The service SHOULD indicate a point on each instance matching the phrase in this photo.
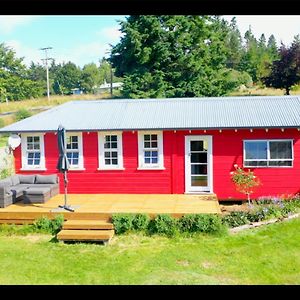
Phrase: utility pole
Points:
(47, 70)
(111, 80)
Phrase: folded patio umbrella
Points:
(63, 163)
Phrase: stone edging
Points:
(257, 224)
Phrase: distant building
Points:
(76, 91)
(106, 86)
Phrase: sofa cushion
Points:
(15, 179)
(42, 179)
(6, 181)
(27, 178)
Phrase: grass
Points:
(265, 255)
(257, 91)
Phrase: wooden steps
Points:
(87, 224)
(86, 231)
(80, 235)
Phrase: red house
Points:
(167, 146)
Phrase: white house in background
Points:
(106, 86)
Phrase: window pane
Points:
(154, 137)
(29, 139)
(36, 162)
(154, 153)
(153, 144)
(74, 139)
(146, 144)
(199, 169)
(147, 137)
(36, 146)
(30, 161)
(107, 138)
(147, 153)
(114, 145)
(256, 150)
(75, 161)
(147, 160)
(199, 180)
(114, 138)
(196, 145)
(30, 155)
(280, 163)
(29, 146)
(114, 161)
(199, 157)
(36, 139)
(114, 154)
(106, 154)
(75, 154)
(107, 145)
(281, 150)
(107, 161)
(154, 160)
(74, 145)
(37, 155)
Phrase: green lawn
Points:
(265, 255)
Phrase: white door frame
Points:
(188, 186)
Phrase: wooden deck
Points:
(102, 206)
(91, 219)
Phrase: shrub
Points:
(236, 218)
(140, 221)
(57, 223)
(50, 226)
(245, 182)
(22, 114)
(122, 222)
(205, 223)
(163, 224)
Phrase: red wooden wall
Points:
(227, 150)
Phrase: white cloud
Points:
(83, 54)
(111, 33)
(9, 23)
(28, 53)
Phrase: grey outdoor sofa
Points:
(30, 188)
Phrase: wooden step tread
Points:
(85, 235)
(87, 224)
(16, 221)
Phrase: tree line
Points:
(191, 56)
(165, 56)
(18, 82)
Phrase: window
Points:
(33, 152)
(151, 150)
(268, 153)
(110, 150)
(74, 150)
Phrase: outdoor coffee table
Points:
(36, 195)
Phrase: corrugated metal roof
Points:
(176, 113)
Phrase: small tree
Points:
(245, 181)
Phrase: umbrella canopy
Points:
(63, 163)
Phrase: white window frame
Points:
(24, 150)
(101, 150)
(268, 159)
(141, 150)
(80, 165)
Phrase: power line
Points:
(45, 60)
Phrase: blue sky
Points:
(85, 39)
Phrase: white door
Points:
(198, 163)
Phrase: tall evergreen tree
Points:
(234, 45)
(171, 56)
